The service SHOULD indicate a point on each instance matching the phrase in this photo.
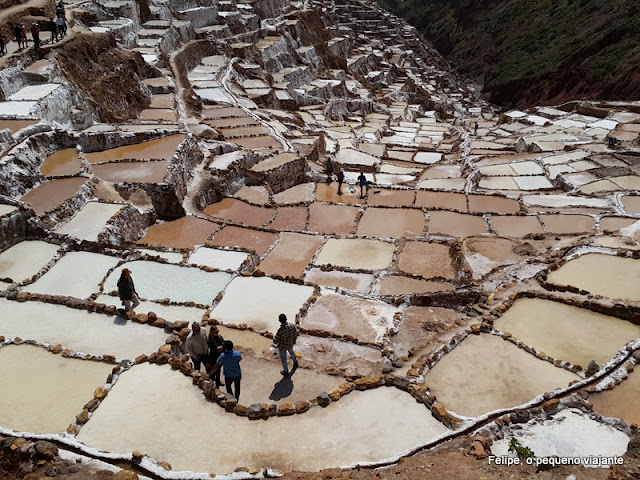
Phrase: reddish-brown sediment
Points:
(456, 224)
(291, 255)
(391, 198)
(239, 211)
(159, 114)
(160, 149)
(331, 219)
(329, 193)
(429, 260)
(48, 195)
(132, 172)
(15, 125)
(232, 122)
(621, 402)
(492, 204)
(265, 141)
(511, 226)
(401, 285)
(568, 224)
(391, 222)
(290, 218)
(186, 232)
(224, 112)
(613, 224)
(454, 201)
(63, 162)
(246, 238)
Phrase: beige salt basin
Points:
(291, 255)
(249, 239)
(607, 275)
(56, 390)
(486, 373)
(621, 402)
(356, 253)
(456, 224)
(48, 195)
(63, 162)
(186, 232)
(331, 219)
(302, 193)
(25, 259)
(400, 285)
(429, 260)
(320, 438)
(161, 148)
(132, 172)
(391, 222)
(89, 222)
(240, 212)
(171, 313)
(631, 204)
(79, 330)
(358, 282)
(258, 302)
(290, 218)
(566, 332)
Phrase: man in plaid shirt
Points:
(285, 339)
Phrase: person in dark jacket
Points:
(127, 291)
(364, 185)
(216, 343)
(340, 180)
(229, 361)
(53, 28)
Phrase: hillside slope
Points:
(529, 52)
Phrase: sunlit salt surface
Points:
(25, 259)
(258, 302)
(170, 313)
(155, 281)
(77, 274)
(557, 436)
(90, 221)
(516, 376)
(6, 209)
(79, 330)
(356, 253)
(362, 426)
(566, 332)
(173, 257)
(56, 390)
(606, 275)
(218, 258)
(33, 92)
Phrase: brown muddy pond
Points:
(631, 203)
(621, 402)
(15, 125)
(391, 222)
(568, 224)
(400, 285)
(391, 198)
(161, 148)
(257, 142)
(454, 201)
(291, 255)
(239, 211)
(63, 162)
(246, 238)
(159, 114)
(492, 204)
(48, 195)
(132, 172)
(224, 112)
(429, 260)
(331, 219)
(456, 224)
(186, 232)
(231, 122)
(613, 224)
(290, 218)
(512, 226)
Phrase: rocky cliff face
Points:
(528, 53)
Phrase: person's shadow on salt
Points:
(282, 389)
(120, 319)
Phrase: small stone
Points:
(302, 406)
(166, 349)
(100, 393)
(285, 409)
(368, 382)
(73, 429)
(165, 465)
(56, 349)
(142, 358)
(323, 399)
(83, 417)
(109, 358)
(125, 475)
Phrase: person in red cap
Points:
(127, 291)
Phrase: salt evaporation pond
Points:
(557, 436)
(486, 373)
(77, 274)
(48, 195)
(56, 390)
(63, 162)
(356, 253)
(25, 259)
(394, 422)
(257, 302)
(156, 281)
(160, 149)
(170, 313)
(90, 221)
(78, 330)
(566, 332)
(621, 402)
(6, 209)
(217, 258)
(607, 275)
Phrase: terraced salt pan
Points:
(63, 162)
(48, 195)
(156, 281)
(6, 209)
(621, 402)
(347, 156)
(240, 212)
(172, 257)
(249, 239)
(25, 259)
(218, 258)
(557, 437)
(400, 285)
(515, 226)
(566, 332)
(356, 253)
(291, 255)
(516, 376)
(391, 222)
(607, 275)
(122, 423)
(302, 193)
(454, 184)
(366, 320)
(331, 219)
(258, 302)
(34, 93)
(68, 383)
(90, 221)
(186, 232)
(358, 282)
(171, 313)
(78, 330)
(16, 109)
(429, 260)
(161, 148)
(132, 172)
(77, 274)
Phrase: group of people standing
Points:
(363, 183)
(57, 27)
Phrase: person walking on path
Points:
(285, 339)
(35, 33)
(23, 35)
(3, 49)
(127, 291)
(53, 28)
(61, 23)
(215, 343)
(475, 129)
(329, 170)
(340, 180)
(364, 185)
(229, 361)
(197, 346)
